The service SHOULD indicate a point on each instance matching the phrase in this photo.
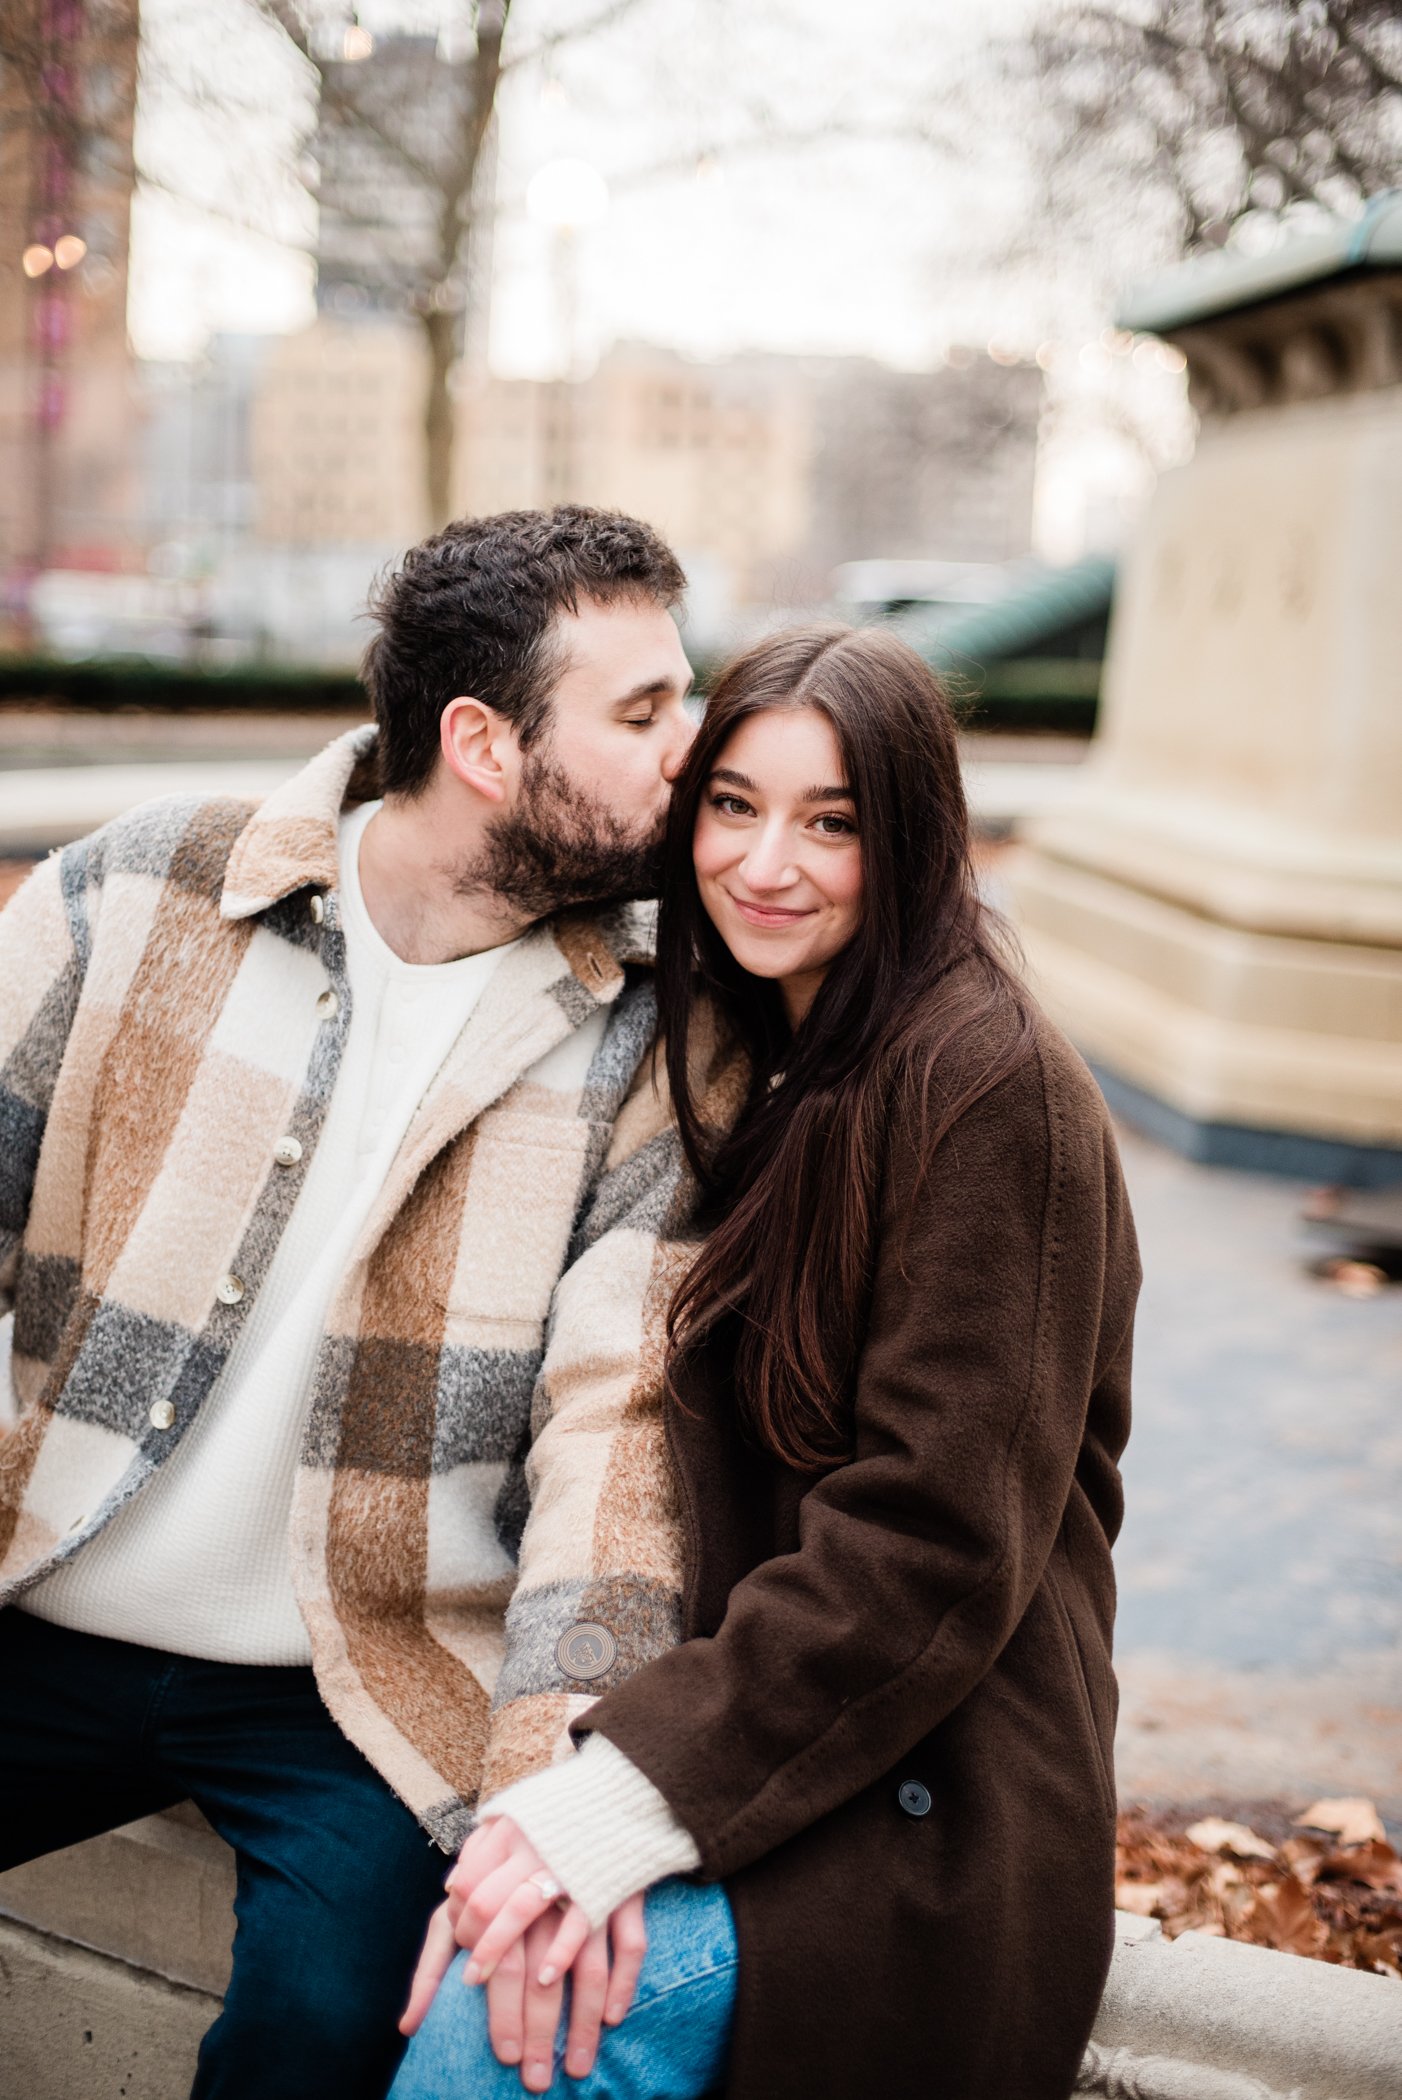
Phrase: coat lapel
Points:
(553, 980)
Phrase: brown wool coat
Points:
(931, 1620)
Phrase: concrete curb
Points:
(1199, 2018)
(80, 2026)
(113, 1956)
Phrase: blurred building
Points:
(719, 457)
(380, 118)
(302, 456)
(923, 465)
(197, 482)
(336, 435)
(769, 472)
(68, 456)
(390, 127)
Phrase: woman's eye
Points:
(640, 721)
(833, 826)
(730, 805)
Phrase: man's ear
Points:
(478, 745)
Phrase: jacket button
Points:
(327, 1003)
(586, 1650)
(316, 905)
(161, 1414)
(229, 1290)
(287, 1152)
(914, 1798)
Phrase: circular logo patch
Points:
(586, 1651)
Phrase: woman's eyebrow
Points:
(813, 794)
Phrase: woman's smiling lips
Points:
(767, 914)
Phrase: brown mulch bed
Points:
(1331, 1889)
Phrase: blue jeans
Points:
(336, 1880)
(671, 2045)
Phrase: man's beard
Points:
(561, 846)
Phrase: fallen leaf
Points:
(1351, 1818)
(1304, 1857)
(1376, 1865)
(1318, 1897)
(1216, 1835)
(1284, 1917)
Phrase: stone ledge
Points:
(113, 1956)
(157, 1894)
(1199, 2018)
(80, 2026)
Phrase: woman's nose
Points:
(767, 865)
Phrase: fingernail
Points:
(472, 1974)
(578, 2063)
(547, 1976)
(539, 2074)
(509, 2052)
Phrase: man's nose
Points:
(682, 736)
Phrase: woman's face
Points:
(777, 859)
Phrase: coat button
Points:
(914, 1798)
(316, 905)
(287, 1152)
(161, 1414)
(586, 1650)
(229, 1290)
(327, 1003)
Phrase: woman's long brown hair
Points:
(791, 1193)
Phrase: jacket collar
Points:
(290, 840)
(290, 843)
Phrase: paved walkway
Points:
(1260, 1630)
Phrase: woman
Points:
(898, 1381)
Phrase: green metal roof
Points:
(1226, 281)
(1016, 624)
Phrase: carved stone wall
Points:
(1344, 338)
(1218, 920)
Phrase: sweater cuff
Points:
(601, 1827)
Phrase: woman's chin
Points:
(759, 960)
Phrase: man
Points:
(305, 1110)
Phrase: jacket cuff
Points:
(601, 1827)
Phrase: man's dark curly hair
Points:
(470, 611)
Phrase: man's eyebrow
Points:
(651, 689)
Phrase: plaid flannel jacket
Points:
(493, 1350)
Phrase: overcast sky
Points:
(876, 244)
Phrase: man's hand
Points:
(502, 1905)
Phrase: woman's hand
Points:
(501, 1905)
(523, 2015)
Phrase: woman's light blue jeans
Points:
(671, 2046)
